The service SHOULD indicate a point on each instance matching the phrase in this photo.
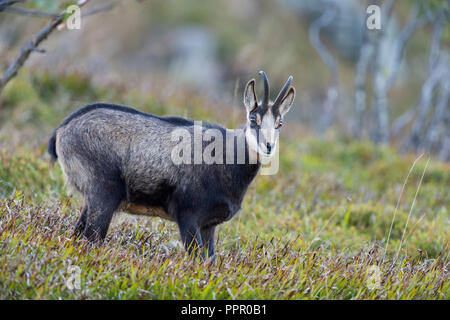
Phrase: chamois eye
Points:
(252, 119)
(280, 124)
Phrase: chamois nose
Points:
(269, 147)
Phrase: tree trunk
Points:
(437, 69)
(362, 66)
(437, 127)
(383, 80)
(329, 105)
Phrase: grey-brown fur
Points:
(120, 158)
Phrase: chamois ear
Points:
(287, 101)
(250, 100)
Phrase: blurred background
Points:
(388, 86)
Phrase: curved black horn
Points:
(265, 101)
(283, 92)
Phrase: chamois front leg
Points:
(81, 223)
(190, 236)
(207, 234)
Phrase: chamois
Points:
(119, 158)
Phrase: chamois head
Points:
(265, 118)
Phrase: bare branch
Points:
(32, 46)
(41, 14)
(414, 23)
(28, 49)
(32, 13)
(6, 3)
(314, 36)
(437, 125)
(104, 8)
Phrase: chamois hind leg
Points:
(102, 201)
(81, 223)
(207, 234)
(190, 236)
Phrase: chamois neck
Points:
(252, 155)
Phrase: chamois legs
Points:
(190, 236)
(101, 204)
(197, 239)
(81, 223)
(207, 234)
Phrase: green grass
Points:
(316, 230)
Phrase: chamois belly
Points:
(143, 210)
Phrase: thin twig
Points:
(6, 3)
(414, 23)
(104, 8)
(32, 13)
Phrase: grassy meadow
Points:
(322, 228)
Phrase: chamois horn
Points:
(282, 92)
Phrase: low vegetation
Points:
(322, 228)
